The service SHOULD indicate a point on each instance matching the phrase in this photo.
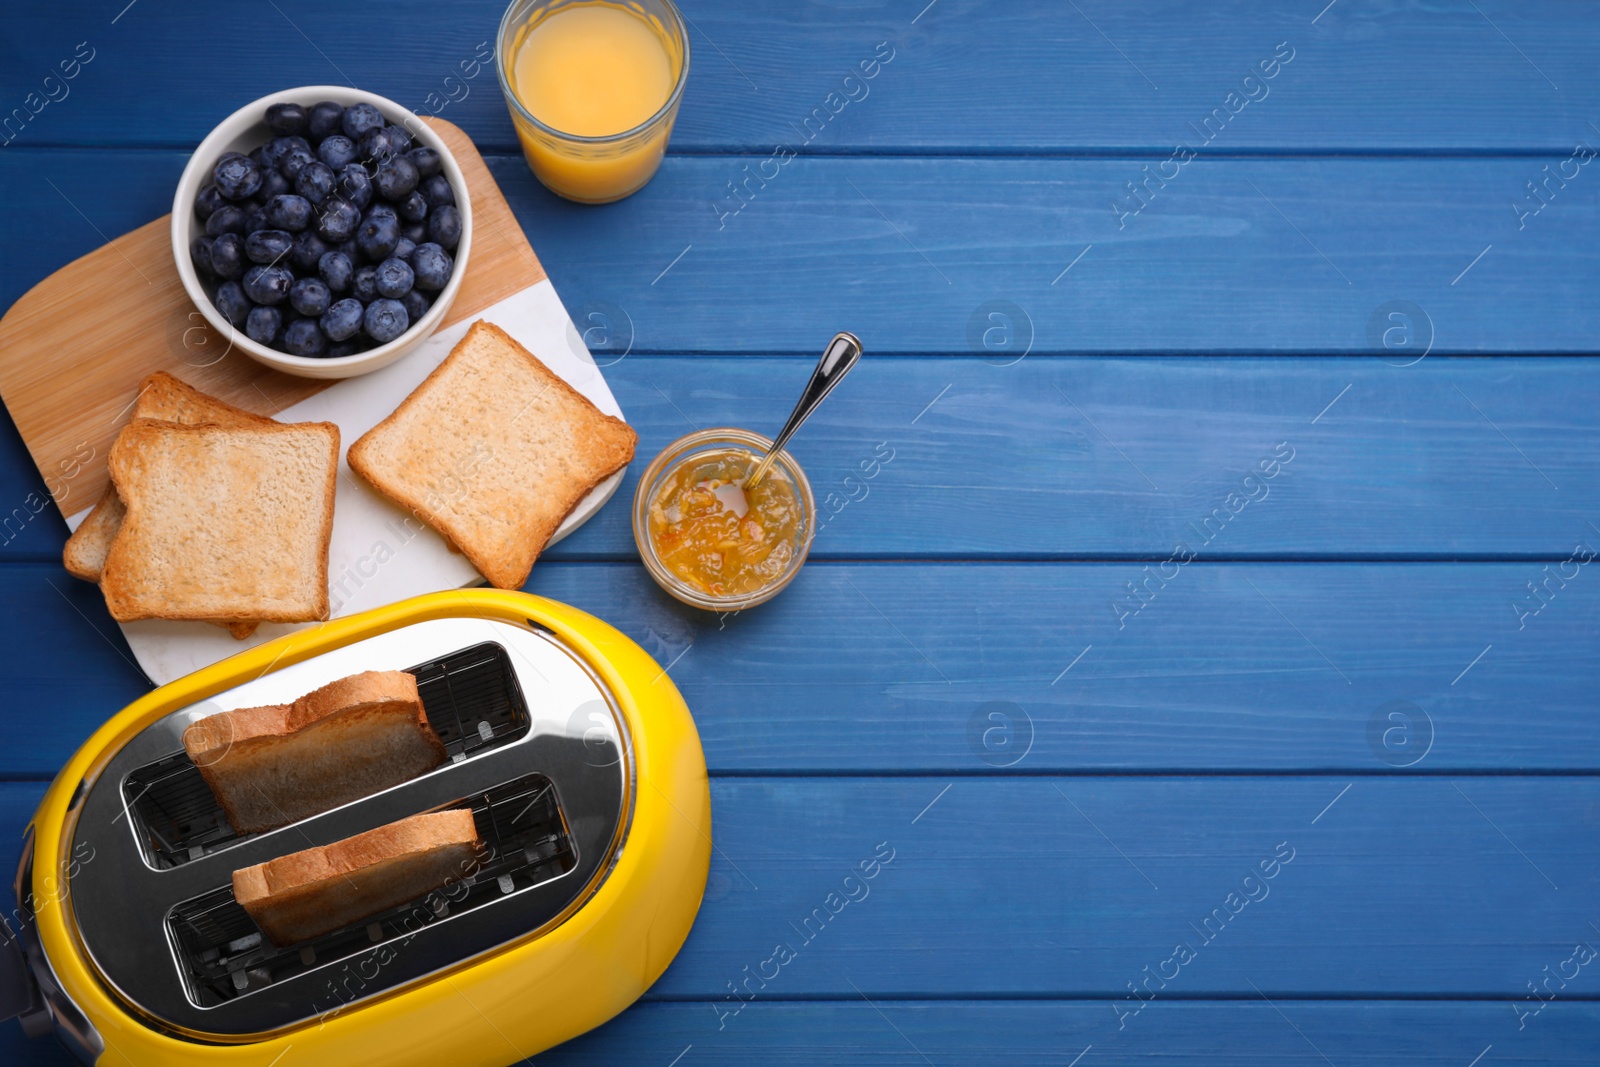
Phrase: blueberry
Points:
(340, 349)
(227, 256)
(314, 182)
(385, 320)
(310, 296)
(334, 269)
(358, 119)
(273, 183)
(379, 209)
(289, 212)
(338, 220)
(268, 246)
(432, 266)
(364, 284)
(267, 285)
(263, 324)
(416, 304)
(436, 191)
(337, 152)
(394, 278)
(377, 237)
(255, 219)
(303, 338)
(284, 119)
(295, 160)
(209, 200)
(237, 177)
(232, 302)
(307, 252)
(323, 119)
(200, 254)
(343, 318)
(404, 249)
(413, 208)
(415, 232)
(427, 160)
(230, 155)
(444, 227)
(396, 178)
(378, 144)
(273, 151)
(355, 185)
(352, 253)
(400, 140)
(226, 219)
(258, 155)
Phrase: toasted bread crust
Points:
(264, 764)
(305, 894)
(503, 520)
(157, 571)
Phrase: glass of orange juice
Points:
(593, 87)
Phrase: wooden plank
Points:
(74, 349)
(1180, 1033)
(1019, 888)
(967, 669)
(1023, 887)
(1270, 256)
(1493, 75)
(1112, 458)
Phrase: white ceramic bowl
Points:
(243, 131)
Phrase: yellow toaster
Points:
(584, 773)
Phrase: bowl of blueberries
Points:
(323, 230)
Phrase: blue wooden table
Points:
(1204, 619)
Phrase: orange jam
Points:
(701, 536)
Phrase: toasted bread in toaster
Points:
(493, 450)
(222, 523)
(161, 396)
(307, 894)
(271, 766)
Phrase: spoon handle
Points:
(842, 353)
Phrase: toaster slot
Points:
(472, 701)
(223, 955)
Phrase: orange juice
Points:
(596, 80)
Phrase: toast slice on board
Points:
(161, 396)
(307, 894)
(274, 765)
(222, 523)
(493, 450)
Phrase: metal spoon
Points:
(842, 353)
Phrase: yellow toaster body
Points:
(586, 779)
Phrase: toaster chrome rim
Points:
(153, 915)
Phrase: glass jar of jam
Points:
(708, 540)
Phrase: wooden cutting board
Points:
(74, 349)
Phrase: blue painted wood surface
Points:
(1381, 656)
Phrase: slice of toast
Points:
(161, 396)
(274, 765)
(307, 894)
(493, 450)
(85, 551)
(223, 523)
